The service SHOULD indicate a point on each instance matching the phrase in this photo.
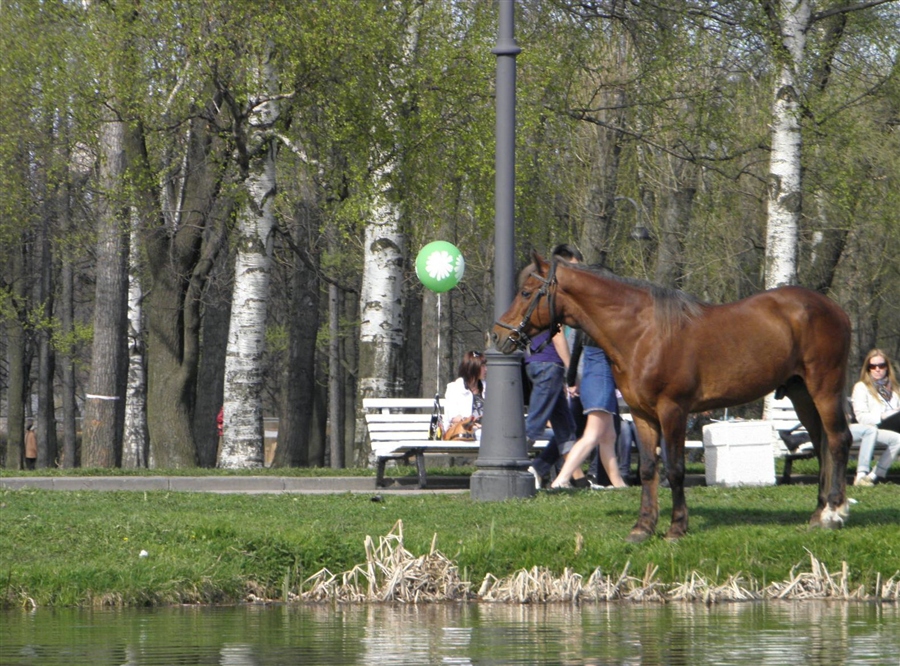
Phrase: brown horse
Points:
(672, 355)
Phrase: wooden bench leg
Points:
(379, 475)
(420, 467)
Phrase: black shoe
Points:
(583, 482)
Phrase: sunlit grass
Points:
(84, 547)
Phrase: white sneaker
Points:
(865, 481)
(537, 477)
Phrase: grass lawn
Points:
(68, 548)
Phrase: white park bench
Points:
(792, 434)
(398, 430)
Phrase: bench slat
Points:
(398, 403)
(398, 418)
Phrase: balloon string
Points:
(437, 379)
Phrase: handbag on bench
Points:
(435, 427)
(462, 430)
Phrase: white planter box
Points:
(739, 453)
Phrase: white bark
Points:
(242, 443)
(381, 302)
(381, 331)
(785, 180)
(785, 194)
(135, 445)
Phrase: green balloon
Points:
(440, 266)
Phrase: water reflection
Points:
(483, 634)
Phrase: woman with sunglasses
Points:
(875, 398)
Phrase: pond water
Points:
(757, 633)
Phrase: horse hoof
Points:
(828, 519)
(844, 511)
(673, 535)
(638, 535)
(832, 519)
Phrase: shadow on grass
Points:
(860, 516)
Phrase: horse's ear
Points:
(537, 260)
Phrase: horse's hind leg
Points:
(648, 440)
(824, 418)
(809, 417)
(833, 460)
(674, 424)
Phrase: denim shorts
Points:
(598, 388)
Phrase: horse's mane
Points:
(673, 308)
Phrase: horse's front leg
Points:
(648, 440)
(674, 430)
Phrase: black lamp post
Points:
(503, 456)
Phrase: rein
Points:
(518, 336)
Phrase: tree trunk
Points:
(381, 330)
(16, 363)
(135, 445)
(600, 205)
(103, 400)
(242, 445)
(66, 313)
(211, 371)
(181, 250)
(675, 224)
(299, 375)
(353, 453)
(48, 454)
(335, 377)
(784, 186)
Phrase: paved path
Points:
(236, 484)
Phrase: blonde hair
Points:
(866, 377)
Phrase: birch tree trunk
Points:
(784, 182)
(381, 332)
(242, 445)
(135, 445)
(381, 295)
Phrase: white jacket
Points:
(869, 407)
(458, 400)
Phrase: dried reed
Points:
(392, 573)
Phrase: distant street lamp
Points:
(503, 455)
(639, 232)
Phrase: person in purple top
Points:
(545, 365)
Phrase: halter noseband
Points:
(517, 335)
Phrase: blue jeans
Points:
(548, 402)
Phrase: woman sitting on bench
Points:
(464, 397)
(876, 402)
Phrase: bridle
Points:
(517, 335)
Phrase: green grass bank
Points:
(85, 548)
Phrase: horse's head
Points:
(530, 312)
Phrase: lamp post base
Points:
(501, 484)
(503, 455)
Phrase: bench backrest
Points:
(397, 404)
(782, 414)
